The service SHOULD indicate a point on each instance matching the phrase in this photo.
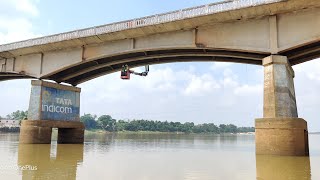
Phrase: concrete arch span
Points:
(88, 70)
(77, 72)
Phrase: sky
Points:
(195, 92)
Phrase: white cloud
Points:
(15, 29)
(200, 85)
(23, 6)
(26, 6)
(12, 24)
(17, 26)
(249, 90)
(312, 71)
(230, 80)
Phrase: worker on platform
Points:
(125, 72)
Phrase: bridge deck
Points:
(100, 34)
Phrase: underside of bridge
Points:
(96, 68)
(87, 70)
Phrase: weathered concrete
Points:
(30, 134)
(279, 93)
(39, 132)
(282, 136)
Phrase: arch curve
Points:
(88, 70)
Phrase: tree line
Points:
(107, 123)
(17, 115)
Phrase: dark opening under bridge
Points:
(274, 33)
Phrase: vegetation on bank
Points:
(17, 115)
(107, 123)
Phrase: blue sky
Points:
(198, 92)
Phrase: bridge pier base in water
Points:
(282, 136)
(31, 134)
(39, 132)
(280, 132)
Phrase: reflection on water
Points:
(283, 168)
(156, 157)
(43, 166)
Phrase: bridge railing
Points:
(140, 22)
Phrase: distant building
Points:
(9, 123)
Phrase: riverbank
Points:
(155, 132)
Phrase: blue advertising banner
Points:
(60, 104)
(52, 101)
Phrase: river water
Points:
(155, 157)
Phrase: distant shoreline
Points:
(158, 132)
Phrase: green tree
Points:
(18, 115)
(245, 129)
(222, 128)
(121, 125)
(106, 122)
(89, 121)
(232, 128)
(187, 127)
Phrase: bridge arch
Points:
(100, 66)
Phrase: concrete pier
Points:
(39, 132)
(30, 134)
(53, 106)
(280, 131)
(282, 136)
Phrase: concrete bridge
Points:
(274, 33)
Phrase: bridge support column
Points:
(30, 134)
(53, 106)
(280, 131)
